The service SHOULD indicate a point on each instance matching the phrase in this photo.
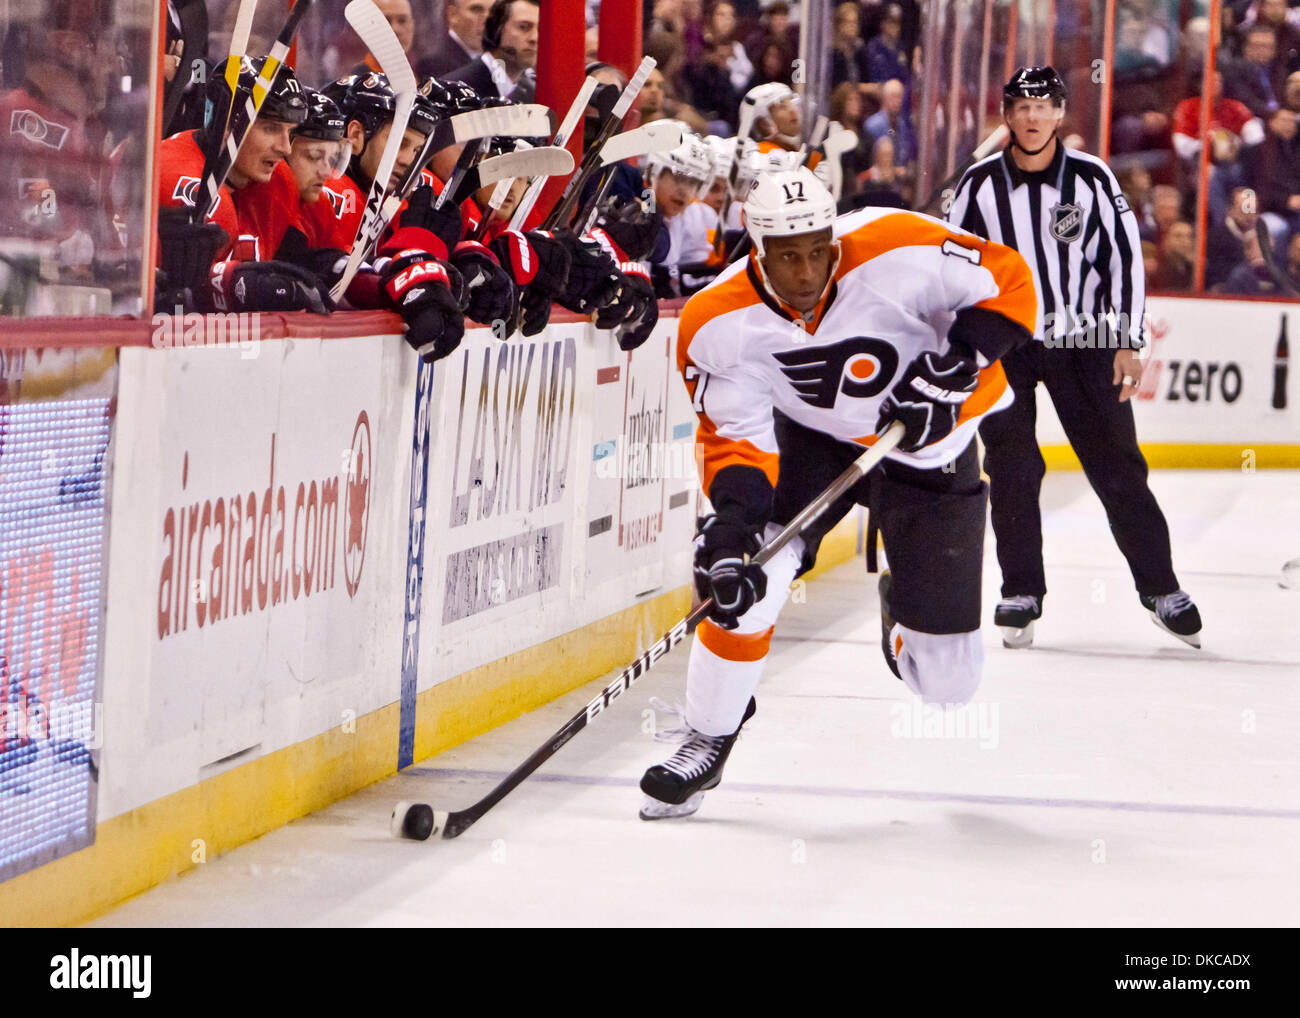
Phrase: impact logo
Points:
(356, 508)
(30, 125)
(860, 367)
(186, 190)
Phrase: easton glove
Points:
(630, 226)
(426, 293)
(928, 398)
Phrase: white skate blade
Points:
(1017, 639)
(653, 809)
(1192, 641)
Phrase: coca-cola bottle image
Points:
(1279, 369)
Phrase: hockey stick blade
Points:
(529, 120)
(660, 136)
(451, 824)
(535, 162)
(368, 21)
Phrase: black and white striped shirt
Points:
(1073, 226)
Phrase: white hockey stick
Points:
(369, 22)
(659, 136)
(838, 142)
(238, 50)
(567, 126)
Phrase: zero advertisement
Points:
(1215, 372)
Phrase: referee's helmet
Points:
(1035, 83)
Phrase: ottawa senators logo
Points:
(860, 367)
(186, 190)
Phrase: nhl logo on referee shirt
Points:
(1067, 223)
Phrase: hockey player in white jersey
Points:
(680, 178)
(797, 357)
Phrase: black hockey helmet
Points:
(283, 102)
(451, 97)
(1035, 83)
(324, 119)
(369, 99)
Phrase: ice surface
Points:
(1126, 779)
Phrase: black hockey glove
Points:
(634, 312)
(594, 279)
(426, 293)
(928, 398)
(490, 292)
(723, 570)
(445, 223)
(267, 286)
(630, 226)
(540, 266)
(185, 253)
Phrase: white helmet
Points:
(786, 203)
(723, 151)
(763, 97)
(691, 159)
(754, 164)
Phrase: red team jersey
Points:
(255, 217)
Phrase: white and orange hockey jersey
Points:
(900, 282)
(693, 237)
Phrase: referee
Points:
(1064, 212)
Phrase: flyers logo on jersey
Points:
(860, 367)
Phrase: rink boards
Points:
(295, 601)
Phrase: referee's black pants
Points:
(1100, 430)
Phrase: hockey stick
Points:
(563, 210)
(420, 821)
(238, 47)
(660, 136)
(234, 139)
(473, 125)
(996, 139)
(1279, 277)
(369, 22)
(548, 161)
(561, 138)
(837, 143)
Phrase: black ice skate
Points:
(1015, 617)
(887, 623)
(1176, 614)
(676, 787)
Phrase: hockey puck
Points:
(412, 820)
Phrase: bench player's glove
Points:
(540, 266)
(928, 398)
(427, 294)
(594, 279)
(267, 286)
(491, 294)
(723, 570)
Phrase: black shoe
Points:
(1176, 614)
(885, 585)
(693, 769)
(1015, 616)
